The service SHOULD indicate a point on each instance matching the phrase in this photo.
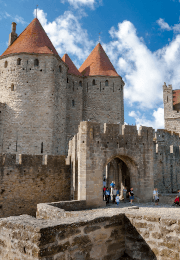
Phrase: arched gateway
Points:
(129, 151)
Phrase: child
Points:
(117, 199)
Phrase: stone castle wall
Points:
(166, 161)
(103, 104)
(92, 149)
(74, 105)
(29, 180)
(34, 99)
(146, 236)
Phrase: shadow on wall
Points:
(136, 247)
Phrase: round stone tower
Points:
(33, 94)
(103, 89)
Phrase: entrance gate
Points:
(92, 149)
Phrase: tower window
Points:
(12, 87)
(60, 69)
(80, 83)
(19, 61)
(87, 87)
(100, 86)
(67, 80)
(5, 64)
(93, 82)
(36, 62)
(73, 103)
(106, 83)
(113, 87)
(42, 147)
(167, 98)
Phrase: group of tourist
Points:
(114, 194)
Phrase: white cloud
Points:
(19, 19)
(67, 34)
(163, 24)
(157, 122)
(78, 3)
(142, 71)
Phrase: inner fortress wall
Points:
(103, 104)
(74, 105)
(166, 161)
(34, 98)
(27, 180)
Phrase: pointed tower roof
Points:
(32, 40)
(98, 64)
(72, 67)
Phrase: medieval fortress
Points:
(61, 132)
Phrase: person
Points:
(112, 184)
(154, 194)
(156, 198)
(104, 190)
(179, 194)
(176, 201)
(124, 194)
(114, 194)
(117, 199)
(131, 196)
(107, 195)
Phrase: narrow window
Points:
(93, 82)
(16, 146)
(36, 62)
(5, 64)
(12, 87)
(106, 83)
(42, 147)
(113, 87)
(80, 83)
(67, 80)
(167, 98)
(73, 103)
(73, 85)
(27, 61)
(19, 61)
(100, 86)
(87, 87)
(60, 69)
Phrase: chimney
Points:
(13, 35)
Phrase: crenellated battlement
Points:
(27, 160)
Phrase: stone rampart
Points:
(100, 237)
(31, 179)
(166, 161)
(27, 238)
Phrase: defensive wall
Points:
(26, 180)
(95, 236)
(152, 159)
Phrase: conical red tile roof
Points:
(72, 67)
(98, 64)
(32, 40)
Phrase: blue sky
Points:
(141, 38)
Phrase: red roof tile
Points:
(72, 67)
(98, 64)
(176, 97)
(32, 40)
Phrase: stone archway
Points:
(94, 149)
